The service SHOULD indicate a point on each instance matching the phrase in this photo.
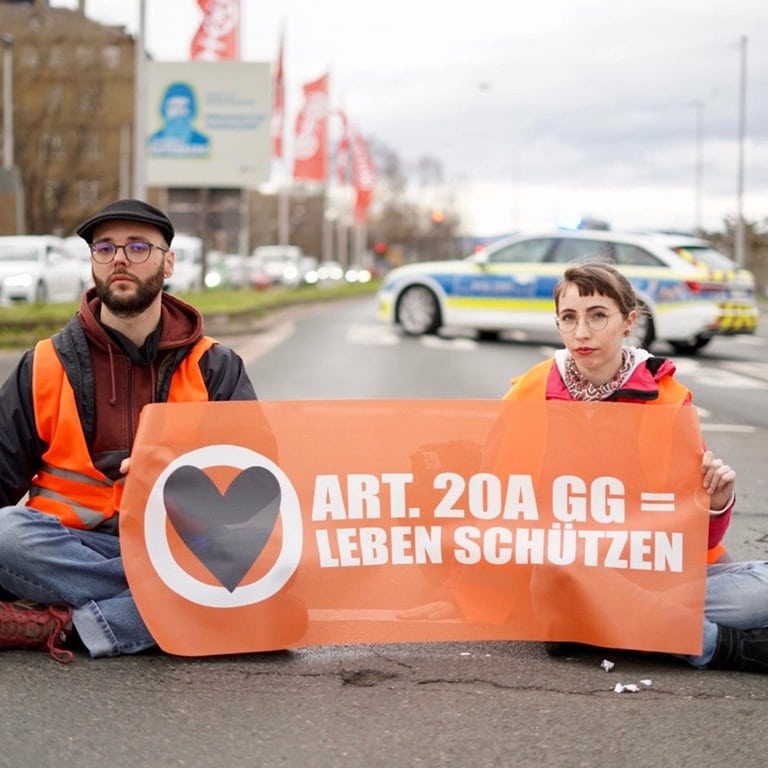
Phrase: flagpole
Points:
(244, 235)
(139, 91)
(741, 239)
(282, 177)
(329, 214)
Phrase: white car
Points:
(226, 270)
(326, 273)
(282, 264)
(188, 267)
(80, 250)
(509, 284)
(38, 268)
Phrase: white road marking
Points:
(252, 347)
(725, 375)
(755, 370)
(745, 428)
(437, 342)
(374, 335)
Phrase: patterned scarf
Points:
(581, 389)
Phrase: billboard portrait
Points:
(208, 124)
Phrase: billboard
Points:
(208, 124)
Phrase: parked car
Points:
(226, 270)
(508, 285)
(326, 273)
(258, 279)
(357, 273)
(282, 264)
(38, 268)
(188, 268)
(739, 312)
(80, 250)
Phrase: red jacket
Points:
(652, 381)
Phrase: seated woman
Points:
(596, 308)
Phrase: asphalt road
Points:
(452, 704)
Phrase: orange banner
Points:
(251, 526)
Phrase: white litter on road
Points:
(628, 688)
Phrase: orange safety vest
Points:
(67, 484)
(532, 385)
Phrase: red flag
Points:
(342, 150)
(310, 147)
(278, 101)
(363, 174)
(217, 38)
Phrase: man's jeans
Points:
(46, 562)
(737, 597)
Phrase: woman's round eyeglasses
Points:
(596, 320)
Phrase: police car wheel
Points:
(690, 347)
(418, 311)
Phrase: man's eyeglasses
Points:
(596, 320)
(137, 251)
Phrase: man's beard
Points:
(124, 305)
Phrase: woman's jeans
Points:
(736, 597)
(46, 562)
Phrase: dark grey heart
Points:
(226, 532)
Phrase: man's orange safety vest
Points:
(68, 485)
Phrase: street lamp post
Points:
(7, 100)
(699, 166)
(139, 88)
(741, 239)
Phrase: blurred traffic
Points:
(690, 290)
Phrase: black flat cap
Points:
(128, 210)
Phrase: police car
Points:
(739, 311)
(508, 286)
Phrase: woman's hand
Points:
(125, 465)
(719, 481)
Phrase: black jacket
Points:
(91, 355)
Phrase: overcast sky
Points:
(537, 110)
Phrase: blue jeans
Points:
(736, 597)
(44, 561)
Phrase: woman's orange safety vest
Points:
(67, 484)
(532, 385)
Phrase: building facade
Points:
(72, 112)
